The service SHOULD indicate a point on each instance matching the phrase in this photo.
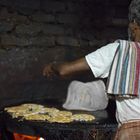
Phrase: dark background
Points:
(34, 33)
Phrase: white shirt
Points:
(100, 62)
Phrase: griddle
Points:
(104, 123)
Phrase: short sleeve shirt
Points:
(100, 60)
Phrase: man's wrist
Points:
(55, 66)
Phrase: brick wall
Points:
(35, 32)
(50, 23)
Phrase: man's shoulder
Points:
(112, 45)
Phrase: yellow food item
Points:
(39, 117)
(48, 110)
(24, 110)
(65, 113)
(82, 117)
(15, 109)
(61, 113)
(39, 112)
(33, 106)
(60, 119)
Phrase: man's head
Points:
(134, 20)
(134, 11)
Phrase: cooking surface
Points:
(103, 120)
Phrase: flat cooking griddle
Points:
(44, 128)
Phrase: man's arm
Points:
(66, 69)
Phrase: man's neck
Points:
(137, 39)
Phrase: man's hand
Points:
(49, 70)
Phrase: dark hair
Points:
(134, 11)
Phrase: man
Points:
(101, 63)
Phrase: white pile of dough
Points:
(90, 96)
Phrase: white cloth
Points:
(100, 62)
(90, 96)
